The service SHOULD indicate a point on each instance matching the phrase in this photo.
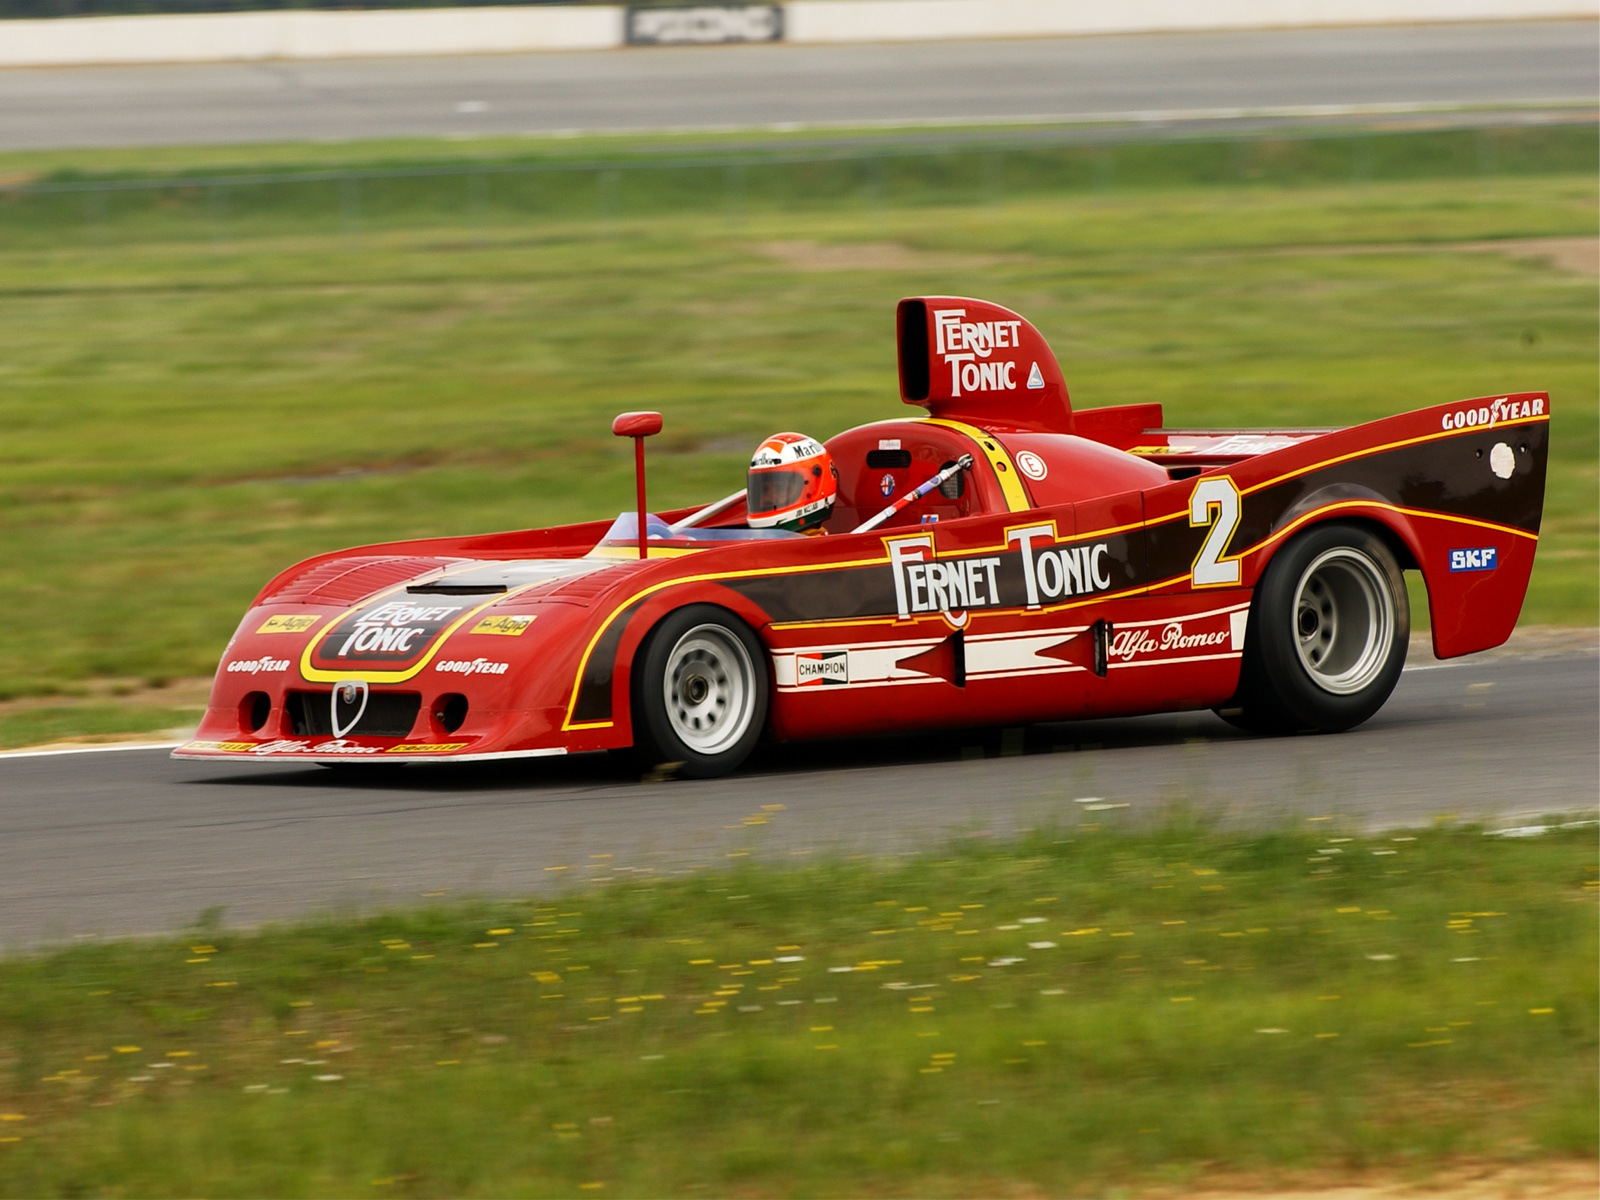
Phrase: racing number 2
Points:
(1214, 502)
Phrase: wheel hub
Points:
(1344, 620)
(709, 689)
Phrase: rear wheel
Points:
(1329, 627)
(700, 692)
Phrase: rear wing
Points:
(1458, 490)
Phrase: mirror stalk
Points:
(638, 426)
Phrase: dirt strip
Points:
(1560, 1179)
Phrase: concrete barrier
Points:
(916, 20)
(224, 37)
(242, 37)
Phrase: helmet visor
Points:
(771, 490)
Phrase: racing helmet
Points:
(792, 484)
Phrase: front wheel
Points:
(1329, 628)
(700, 692)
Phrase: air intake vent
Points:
(890, 460)
(912, 317)
(455, 589)
(388, 714)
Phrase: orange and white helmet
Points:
(792, 484)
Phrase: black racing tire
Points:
(1330, 623)
(700, 693)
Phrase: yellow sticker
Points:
(289, 623)
(427, 747)
(502, 625)
(228, 747)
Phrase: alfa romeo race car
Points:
(998, 560)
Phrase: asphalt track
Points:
(132, 842)
(1129, 78)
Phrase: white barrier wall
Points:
(222, 37)
(225, 37)
(914, 20)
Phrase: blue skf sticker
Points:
(1473, 560)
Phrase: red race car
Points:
(1001, 560)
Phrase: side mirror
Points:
(638, 426)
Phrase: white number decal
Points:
(1214, 502)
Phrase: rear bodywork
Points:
(1093, 564)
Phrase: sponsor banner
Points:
(1202, 635)
(470, 666)
(1128, 644)
(967, 348)
(1481, 559)
(289, 623)
(1218, 633)
(336, 746)
(821, 668)
(1037, 572)
(950, 586)
(703, 25)
(1487, 416)
(503, 625)
(255, 666)
(390, 633)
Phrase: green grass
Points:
(1268, 1006)
(200, 385)
(76, 720)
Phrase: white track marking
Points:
(90, 749)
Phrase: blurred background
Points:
(278, 280)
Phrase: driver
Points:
(792, 484)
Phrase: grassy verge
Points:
(1056, 1015)
(202, 384)
(69, 721)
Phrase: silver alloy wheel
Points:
(709, 689)
(1344, 620)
